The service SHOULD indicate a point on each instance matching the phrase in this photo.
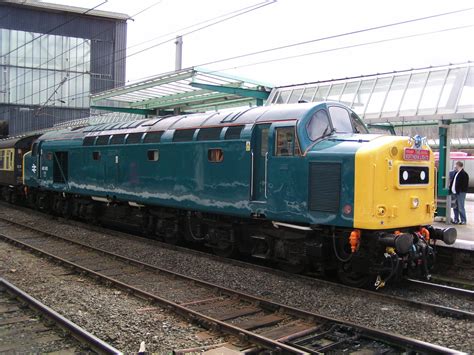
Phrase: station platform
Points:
(465, 238)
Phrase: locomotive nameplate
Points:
(416, 154)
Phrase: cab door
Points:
(260, 155)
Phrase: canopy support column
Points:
(444, 198)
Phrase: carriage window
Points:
(134, 138)
(102, 140)
(2, 159)
(319, 125)
(285, 141)
(96, 155)
(341, 120)
(215, 155)
(233, 132)
(153, 137)
(183, 135)
(88, 141)
(209, 134)
(117, 139)
(153, 155)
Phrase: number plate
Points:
(416, 154)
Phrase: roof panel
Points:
(174, 90)
(445, 92)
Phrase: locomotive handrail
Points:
(251, 176)
(266, 173)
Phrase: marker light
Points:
(415, 202)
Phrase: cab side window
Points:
(318, 125)
(285, 141)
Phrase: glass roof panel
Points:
(308, 94)
(295, 96)
(466, 101)
(348, 95)
(377, 98)
(395, 95)
(432, 92)
(413, 93)
(447, 102)
(335, 92)
(322, 93)
(444, 92)
(363, 95)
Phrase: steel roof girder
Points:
(197, 99)
(158, 101)
(252, 93)
(145, 85)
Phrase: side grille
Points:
(324, 187)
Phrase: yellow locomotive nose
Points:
(394, 184)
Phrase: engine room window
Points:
(102, 140)
(153, 155)
(209, 134)
(215, 155)
(88, 141)
(285, 141)
(319, 125)
(183, 135)
(117, 139)
(341, 120)
(233, 132)
(96, 155)
(134, 138)
(153, 137)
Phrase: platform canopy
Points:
(188, 90)
(413, 97)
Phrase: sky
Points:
(284, 22)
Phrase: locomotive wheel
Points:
(352, 278)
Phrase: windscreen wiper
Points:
(325, 134)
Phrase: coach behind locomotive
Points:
(303, 185)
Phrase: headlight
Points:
(415, 202)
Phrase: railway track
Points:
(442, 287)
(28, 326)
(392, 297)
(262, 323)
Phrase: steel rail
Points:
(77, 332)
(436, 286)
(394, 339)
(434, 308)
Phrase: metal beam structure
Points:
(138, 111)
(257, 94)
(188, 89)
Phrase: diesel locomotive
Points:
(302, 185)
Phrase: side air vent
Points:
(324, 187)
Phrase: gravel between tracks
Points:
(120, 319)
(327, 300)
